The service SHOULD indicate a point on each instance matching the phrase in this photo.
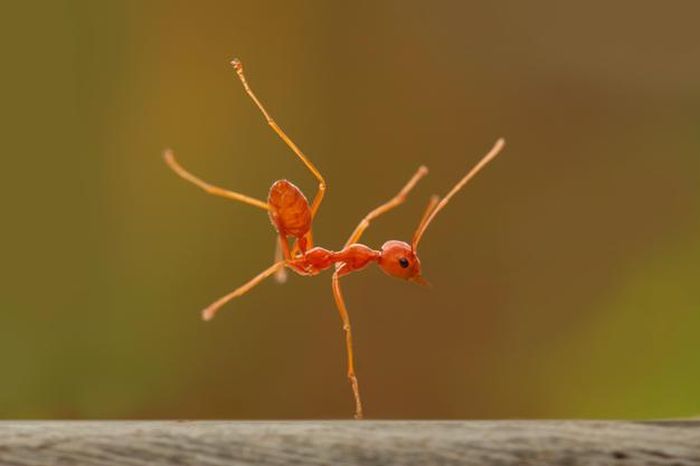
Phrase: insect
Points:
(292, 216)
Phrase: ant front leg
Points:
(387, 206)
(348, 341)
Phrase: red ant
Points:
(292, 216)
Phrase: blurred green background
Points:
(565, 277)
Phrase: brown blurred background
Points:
(565, 277)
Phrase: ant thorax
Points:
(350, 259)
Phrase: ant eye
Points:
(403, 262)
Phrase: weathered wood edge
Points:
(482, 443)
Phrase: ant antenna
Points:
(433, 209)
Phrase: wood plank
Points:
(478, 443)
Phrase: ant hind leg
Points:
(238, 66)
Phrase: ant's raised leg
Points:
(209, 312)
(211, 189)
(387, 206)
(238, 66)
(348, 342)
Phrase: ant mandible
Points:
(292, 216)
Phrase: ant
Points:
(292, 216)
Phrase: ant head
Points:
(399, 260)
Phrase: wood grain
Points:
(482, 443)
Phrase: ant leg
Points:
(309, 243)
(387, 206)
(348, 342)
(238, 66)
(281, 274)
(211, 310)
(211, 189)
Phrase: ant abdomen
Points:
(289, 209)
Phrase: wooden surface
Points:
(482, 443)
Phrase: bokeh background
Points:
(565, 277)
